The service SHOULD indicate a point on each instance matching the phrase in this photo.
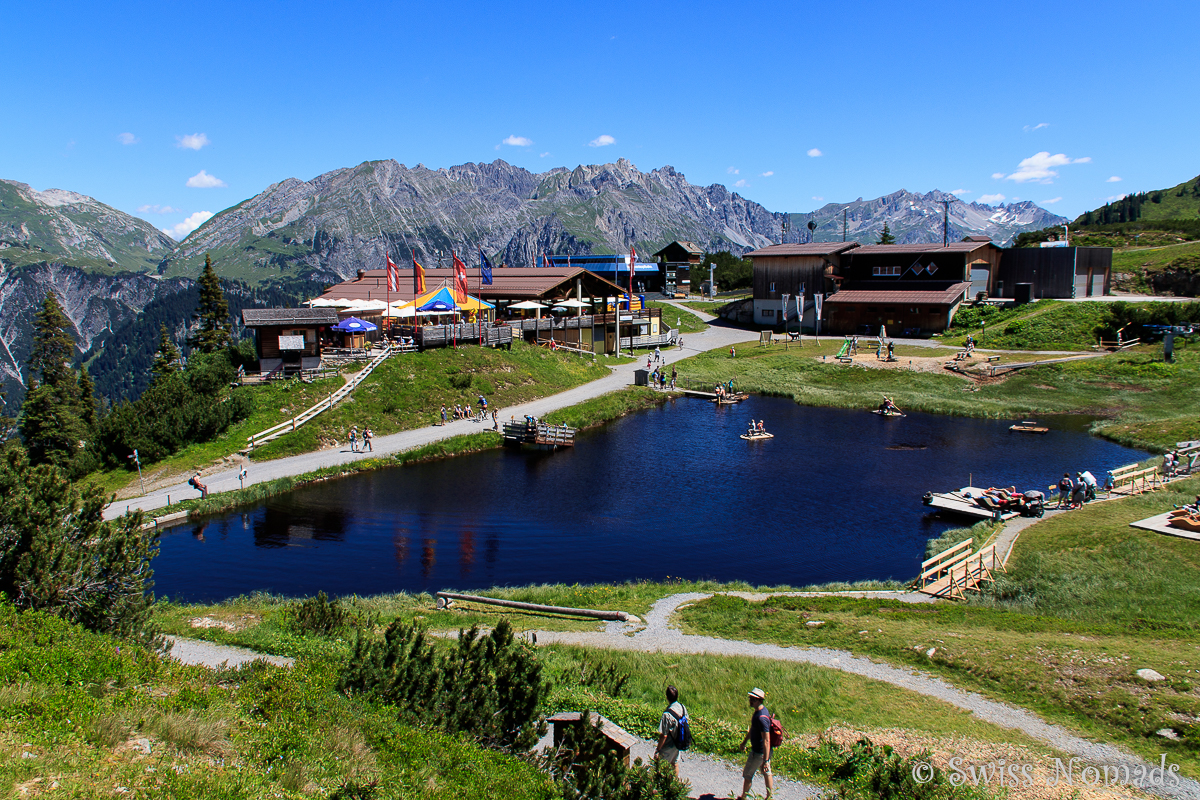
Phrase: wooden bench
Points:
(993, 359)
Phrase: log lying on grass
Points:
(614, 616)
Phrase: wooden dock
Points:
(541, 435)
(954, 572)
(962, 502)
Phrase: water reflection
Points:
(670, 491)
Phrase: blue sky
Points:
(170, 111)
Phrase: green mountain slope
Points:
(1181, 201)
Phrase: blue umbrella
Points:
(355, 325)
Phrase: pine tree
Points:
(60, 555)
(166, 360)
(885, 237)
(55, 415)
(213, 313)
(88, 409)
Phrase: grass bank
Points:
(1144, 402)
(86, 715)
(1086, 602)
(683, 321)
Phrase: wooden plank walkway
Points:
(954, 572)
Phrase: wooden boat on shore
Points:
(754, 437)
(1028, 426)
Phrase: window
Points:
(772, 287)
(885, 271)
(768, 312)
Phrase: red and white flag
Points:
(460, 276)
(393, 276)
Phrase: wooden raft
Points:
(956, 571)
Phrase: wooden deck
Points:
(954, 572)
(538, 434)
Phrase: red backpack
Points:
(774, 727)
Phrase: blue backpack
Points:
(683, 731)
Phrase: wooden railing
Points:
(956, 571)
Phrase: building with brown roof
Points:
(781, 269)
(677, 260)
(909, 309)
(288, 338)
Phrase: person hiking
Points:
(668, 730)
(354, 439)
(367, 436)
(759, 737)
(443, 413)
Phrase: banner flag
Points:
(418, 276)
(786, 297)
(632, 261)
(485, 270)
(818, 298)
(393, 276)
(460, 276)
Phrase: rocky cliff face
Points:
(917, 218)
(342, 221)
(92, 300)
(57, 225)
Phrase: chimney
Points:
(361, 274)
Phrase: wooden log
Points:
(616, 616)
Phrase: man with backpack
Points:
(674, 731)
(759, 736)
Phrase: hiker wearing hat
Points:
(759, 737)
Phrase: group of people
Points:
(758, 735)
(1074, 492)
(759, 427)
(1009, 499)
(654, 358)
(658, 378)
(367, 436)
(464, 411)
(724, 390)
(1173, 465)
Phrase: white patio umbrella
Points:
(527, 304)
(573, 303)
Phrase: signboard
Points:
(291, 342)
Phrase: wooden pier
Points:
(541, 435)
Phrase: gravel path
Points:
(621, 376)
(209, 654)
(656, 635)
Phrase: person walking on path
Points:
(443, 414)
(367, 436)
(495, 421)
(732, 352)
(759, 737)
(674, 375)
(198, 486)
(657, 355)
(668, 730)
(354, 439)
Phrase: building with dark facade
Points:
(781, 269)
(676, 262)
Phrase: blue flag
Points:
(485, 270)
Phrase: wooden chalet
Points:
(781, 269)
(676, 261)
(906, 310)
(590, 327)
(288, 339)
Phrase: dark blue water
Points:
(836, 495)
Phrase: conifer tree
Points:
(214, 332)
(166, 360)
(885, 236)
(55, 415)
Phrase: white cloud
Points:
(962, 191)
(156, 209)
(819, 199)
(127, 138)
(742, 182)
(815, 153)
(733, 171)
(1039, 167)
(543, 155)
(202, 180)
(1039, 125)
(1114, 179)
(602, 141)
(998, 175)
(190, 224)
(517, 141)
(1051, 201)
(989, 199)
(768, 173)
(193, 141)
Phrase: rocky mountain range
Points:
(918, 218)
(107, 266)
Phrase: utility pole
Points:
(783, 228)
(945, 222)
(812, 226)
(139, 466)
(845, 215)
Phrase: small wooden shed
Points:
(620, 741)
(288, 337)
